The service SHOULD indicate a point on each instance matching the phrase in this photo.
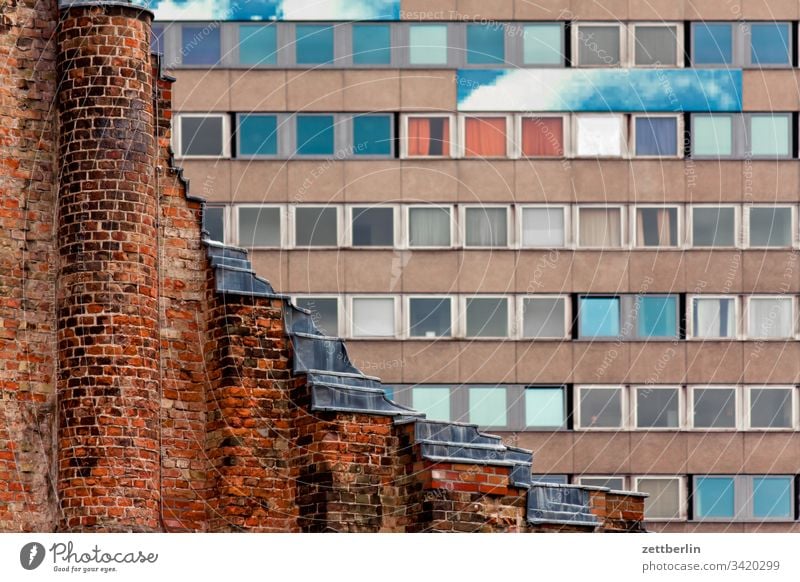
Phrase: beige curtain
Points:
(600, 227)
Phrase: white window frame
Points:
(177, 137)
(566, 137)
(746, 225)
(406, 226)
(574, 138)
(683, 496)
(746, 317)
(396, 235)
(737, 404)
(634, 400)
(622, 221)
(462, 135)
(339, 311)
(293, 225)
(678, 138)
(398, 322)
(283, 221)
(624, 408)
(633, 224)
(520, 303)
(624, 478)
(462, 229)
(679, 45)
(748, 405)
(454, 305)
(463, 327)
(737, 225)
(737, 317)
(520, 225)
(454, 147)
(623, 43)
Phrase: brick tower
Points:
(107, 295)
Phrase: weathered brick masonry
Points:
(150, 380)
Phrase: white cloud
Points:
(192, 10)
(333, 9)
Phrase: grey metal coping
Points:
(560, 504)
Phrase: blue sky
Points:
(274, 9)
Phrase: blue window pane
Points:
(313, 44)
(200, 45)
(258, 45)
(770, 43)
(371, 44)
(389, 391)
(714, 497)
(657, 317)
(485, 44)
(656, 136)
(157, 40)
(772, 497)
(258, 135)
(713, 44)
(544, 407)
(599, 317)
(372, 135)
(315, 135)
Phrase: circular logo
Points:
(31, 555)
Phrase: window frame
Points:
(463, 322)
(350, 326)
(339, 311)
(679, 149)
(293, 226)
(746, 235)
(691, 334)
(566, 135)
(407, 316)
(520, 225)
(577, 226)
(624, 408)
(462, 227)
(462, 135)
(623, 43)
(746, 317)
(406, 226)
(349, 213)
(683, 495)
(748, 402)
(177, 136)
(633, 224)
(404, 117)
(690, 405)
(634, 412)
(679, 44)
(282, 220)
(737, 226)
(520, 311)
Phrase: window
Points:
(714, 497)
(487, 316)
(203, 136)
(613, 483)
(770, 317)
(372, 44)
(599, 45)
(657, 227)
(316, 226)
(657, 316)
(372, 135)
(373, 317)
(372, 226)
(542, 44)
(553, 479)
(599, 227)
(324, 313)
(485, 137)
(259, 226)
(770, 226)
(427, 44)
(488, 406)
(712, 135)
(656, 136)
(714, 317)
(599, 135)
(214, 222)
(315, 135)
(258, 135)
(428, 137)
(429, 226)
(712, 43)
(744, 497)
(599, 317)
(655, 45)
(430, 317)
(771, 407)
(770, 135)
(714, 407)
(714, 226)
(770, 44)
(658, 407)
(313, 44)
(157, 39)
(486, 227)
(258, 44)
(542, 137)
(600, 407)
(545, 407)
(543, 317)
(543, 227)
(434, 401)
(485, 44)
(664, 501)
(200, 45)
(772, 497)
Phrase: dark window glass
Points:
(200, 44)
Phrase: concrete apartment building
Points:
(574, 223)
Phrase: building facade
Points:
(574, 223)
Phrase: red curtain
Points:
(429, 136)
(485, 137)
(542, 136)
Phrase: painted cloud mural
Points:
(273, 9)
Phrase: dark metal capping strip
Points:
(498, 447)
(471, 461)
(544, 520)
(341, 374)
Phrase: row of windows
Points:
(549, 317)
(702, 497)
(461, 45)
(607, 407)
(492, 135)
(433, 226)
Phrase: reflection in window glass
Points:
(258, 135)
(373, 227)
(488, 406)
(316, 227)
(772, 497)
(372, 135)
(712, 135)
(657, 317)
(313, 44)
(769, 43)
(201, 44)
(770, 135)
(656, 45)
(315, 135)
(599, 45)
(434, 401)
(771, 227)
(714, 407)
(543, 317)
(324, 313)
(771, 407)
(544, 407)
(657, 408)
(656, 136)
(485, 44)
(214, 222)
(713, 226)
(601, 407)
(714, 497)
(373, 317)
(430, 317)
(258, 44)
(542, 44)
(428, 44)
(599, 317)
(259, 226)
(487, 317)
(713, 43)
(201, 136)
(372, 44)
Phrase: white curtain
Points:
(429, 227)
(543, 227)
(373, 317)
(600, 227)
(664, 499)
(771, 317)
(714, 318)
(486, 227)
(599, 135)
